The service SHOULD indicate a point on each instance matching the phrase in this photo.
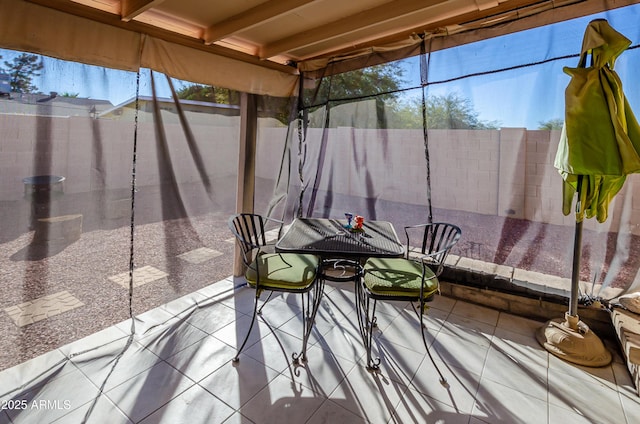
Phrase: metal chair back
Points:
(436, 241)
(249, 230)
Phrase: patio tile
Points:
(56, 398)
(211, 317)
(591, 399)
(442, 303)
(274, 404)
(92, 341)
(172, 338)
(343, 341)
(237, 383)
(275, 350)
(455, 352)
(147, 392)
(242, 300)
(562, 415)
(147, 322)
(405, 331)
(185, 305)
(202, 358)
(498, 403)
(468, 329)
(518, 324)
(495, 368)
(234, 333)
(601, 375)
(42, 308)
(33, 373)
(331, 412)
(416, 407)
(476, 312)
(324, 371)
(460, 391)
(369, 395)
(631, 406)
(144, 275)
(512, 363)
(327, 318)
(97, 411)
(238, 418)
(397, 363)
(200, 406)
(114, 363)
(200, 255)
(219, 290)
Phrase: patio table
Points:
(337, 246)
(343, 253)
(329, 239)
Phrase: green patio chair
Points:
(413, 278)
(270, 271)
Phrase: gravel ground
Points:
(83, 268)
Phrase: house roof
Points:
(51, 105)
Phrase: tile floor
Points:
(176, 368)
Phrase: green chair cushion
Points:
(398, 277)
(283, 271)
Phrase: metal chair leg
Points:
(312, 302)
(423, 327)
(366, 323)
(265, 302)
(253, 320)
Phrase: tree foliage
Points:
(379, 85)
(22, 70)
(209, 93)
(551, 124)
(450, 111)
(382, 80)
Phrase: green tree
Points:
(22, 70)
(209, 93)
(382, 80)
(449, 111)
(551, 124)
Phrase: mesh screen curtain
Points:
(466, 135)
(84, 245)
(448, 135)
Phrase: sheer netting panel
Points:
(186, 176)
(467, 135)
(68, 156)
(272, 171)
(65, 202)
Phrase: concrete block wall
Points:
(464, 169)
(507, 172)
(96, 155)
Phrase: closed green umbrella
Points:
(599, 146)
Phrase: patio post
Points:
(246, 166)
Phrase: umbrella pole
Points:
(569, 338)
(575, 271)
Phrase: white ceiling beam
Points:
(377, 15)
(132, 8)
(262, 13)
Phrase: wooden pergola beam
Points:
(132, 8)
(250, 18)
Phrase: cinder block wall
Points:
(507, 172)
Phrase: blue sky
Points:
(523, 97)
(529, 95)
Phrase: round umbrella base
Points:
(572, 340)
